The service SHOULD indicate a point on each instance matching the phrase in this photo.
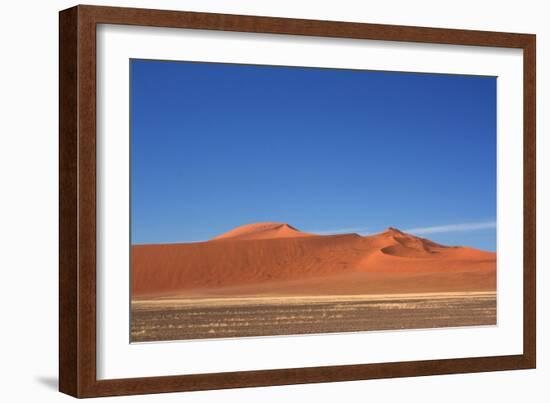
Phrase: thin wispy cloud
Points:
(358, 230)
(472, 226)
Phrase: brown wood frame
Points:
(77, 200)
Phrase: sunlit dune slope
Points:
(276, 258)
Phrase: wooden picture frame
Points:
(77, 207)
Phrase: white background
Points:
(28, 202)
(119, 359)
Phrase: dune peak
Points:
(263, 230)
(393, 230)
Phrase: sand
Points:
(277, 259)
(264, 230)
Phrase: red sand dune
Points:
(275, 258)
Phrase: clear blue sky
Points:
(215, 146)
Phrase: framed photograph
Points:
(253, 201)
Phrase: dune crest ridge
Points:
(263, 230)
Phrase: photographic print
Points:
(273, 200)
